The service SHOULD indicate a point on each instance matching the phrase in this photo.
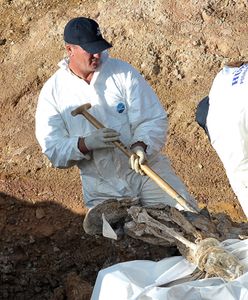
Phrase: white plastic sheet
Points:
(140, 280)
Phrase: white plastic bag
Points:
(140, 280)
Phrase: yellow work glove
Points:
(137, 158)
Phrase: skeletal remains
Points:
(197, 236)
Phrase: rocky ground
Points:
(178, 46)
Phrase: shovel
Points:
(82, 110)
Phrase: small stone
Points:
(39, 213)
(196, 43)
(31, 239)
(38, 289)
(179, 76)
(56, 249)
(2, 42)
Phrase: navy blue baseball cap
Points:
(86, 33)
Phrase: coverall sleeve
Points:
(52, 134)
(237, 172)
(147, 117)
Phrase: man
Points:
(120, 99)
(224, 116)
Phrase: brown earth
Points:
(179, 46)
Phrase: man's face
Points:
(83, 61)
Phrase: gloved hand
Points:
(101, 138)
(137, 158)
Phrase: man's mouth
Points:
(95, 63)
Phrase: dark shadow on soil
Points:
(45, 254)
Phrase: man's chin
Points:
(95, 66)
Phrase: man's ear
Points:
(69, 49)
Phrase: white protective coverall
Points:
(227, 123)
(122, 100)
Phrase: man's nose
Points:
(97, 55)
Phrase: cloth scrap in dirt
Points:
(142, 279)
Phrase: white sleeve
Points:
(238, 176)
(52, 134)
(147, 117)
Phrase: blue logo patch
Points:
(239, 75)
(120, 107)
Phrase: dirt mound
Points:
(178, 46)
(44, 250)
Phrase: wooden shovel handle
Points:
(144, 167)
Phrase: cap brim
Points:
(96, 47)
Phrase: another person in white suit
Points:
(224, 116)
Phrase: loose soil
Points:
(178, 46)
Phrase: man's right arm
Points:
(57, 144)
